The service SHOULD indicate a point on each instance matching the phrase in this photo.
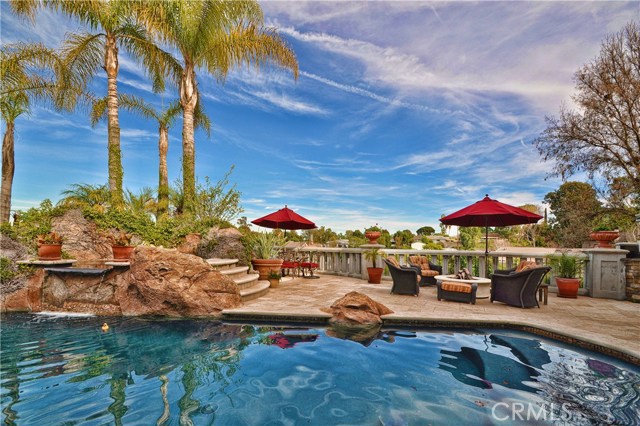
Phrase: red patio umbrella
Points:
(488, 212)
(284, 219)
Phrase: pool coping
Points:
(405, 321)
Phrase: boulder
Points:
(82, 240)
(170, 283)
(356, 309)
(190, 244)
(222, 243)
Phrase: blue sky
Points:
(403, 111)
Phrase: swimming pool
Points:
(64, 371)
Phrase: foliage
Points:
(403, 239)
(374, 228)
(565, 265)
(372, 255)
(35, 221)
(425, 230)
(83, 195)
(121, 239)
(470, 237)
(320, 235)
(264, 245)
(429, 244)
(601, 137)
(273, 275)
(574, 207)
(50, 238)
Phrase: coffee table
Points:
(484, 284)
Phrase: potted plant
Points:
(121, 246)
(565, 269)
(274, 279)
(375, 273)
(604, 233)
(50, 246)
(264, 248)
(372, 234)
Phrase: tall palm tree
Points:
(165, 119)
(213, 35)
(115, 25)
(28, 72)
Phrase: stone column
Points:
(605, 273)
(632, 273)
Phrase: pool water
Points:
(67, 371)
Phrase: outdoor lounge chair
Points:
(518, 288)
(406, 279)
(428, 270)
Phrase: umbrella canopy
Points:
(488, 212)
(284, 219)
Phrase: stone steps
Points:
(248, 284)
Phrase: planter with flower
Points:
(566, 268)
(50, 246)
(375, 273)
(372, 234)
(605, 232)
(121, 246)
(264, 247)
(274, 279)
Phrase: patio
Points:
(601, 324)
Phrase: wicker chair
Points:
(518, 288)
(428, 270)
(406, 279)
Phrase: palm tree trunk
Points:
(188, 100)
(8, 168)
(113, 125)
(163, 173)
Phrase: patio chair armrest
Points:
(435, 267)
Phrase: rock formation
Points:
(355, 309)
(82, 241)
(159, 282)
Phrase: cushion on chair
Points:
(526, 264)
(456, 287)
(393, 261)
(429, 273)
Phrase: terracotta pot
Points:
(274, 282)
(375, 274)
(50, 251)
(372, 236)
(264, 266)
(121, 253)
(604, 238)
(568, 287)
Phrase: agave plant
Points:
(265, 245)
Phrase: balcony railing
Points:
(350, 262)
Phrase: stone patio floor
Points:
(601, 322)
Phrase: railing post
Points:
(605, 273)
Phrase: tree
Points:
(425, 230)
(603, 136)
(85, 53)
(574, 207)
(165, 120)
(80, 195)
(28, 72)
(213, 35)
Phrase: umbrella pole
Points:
(486, 249)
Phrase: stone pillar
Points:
(632, 274)
(605, 273)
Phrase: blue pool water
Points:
(67, 371)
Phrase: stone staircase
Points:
(248, 284)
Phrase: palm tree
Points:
(214, 35)
(86, 52)
(165, 118)
(27, 72)
(82, 195)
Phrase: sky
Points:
(403, 111)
